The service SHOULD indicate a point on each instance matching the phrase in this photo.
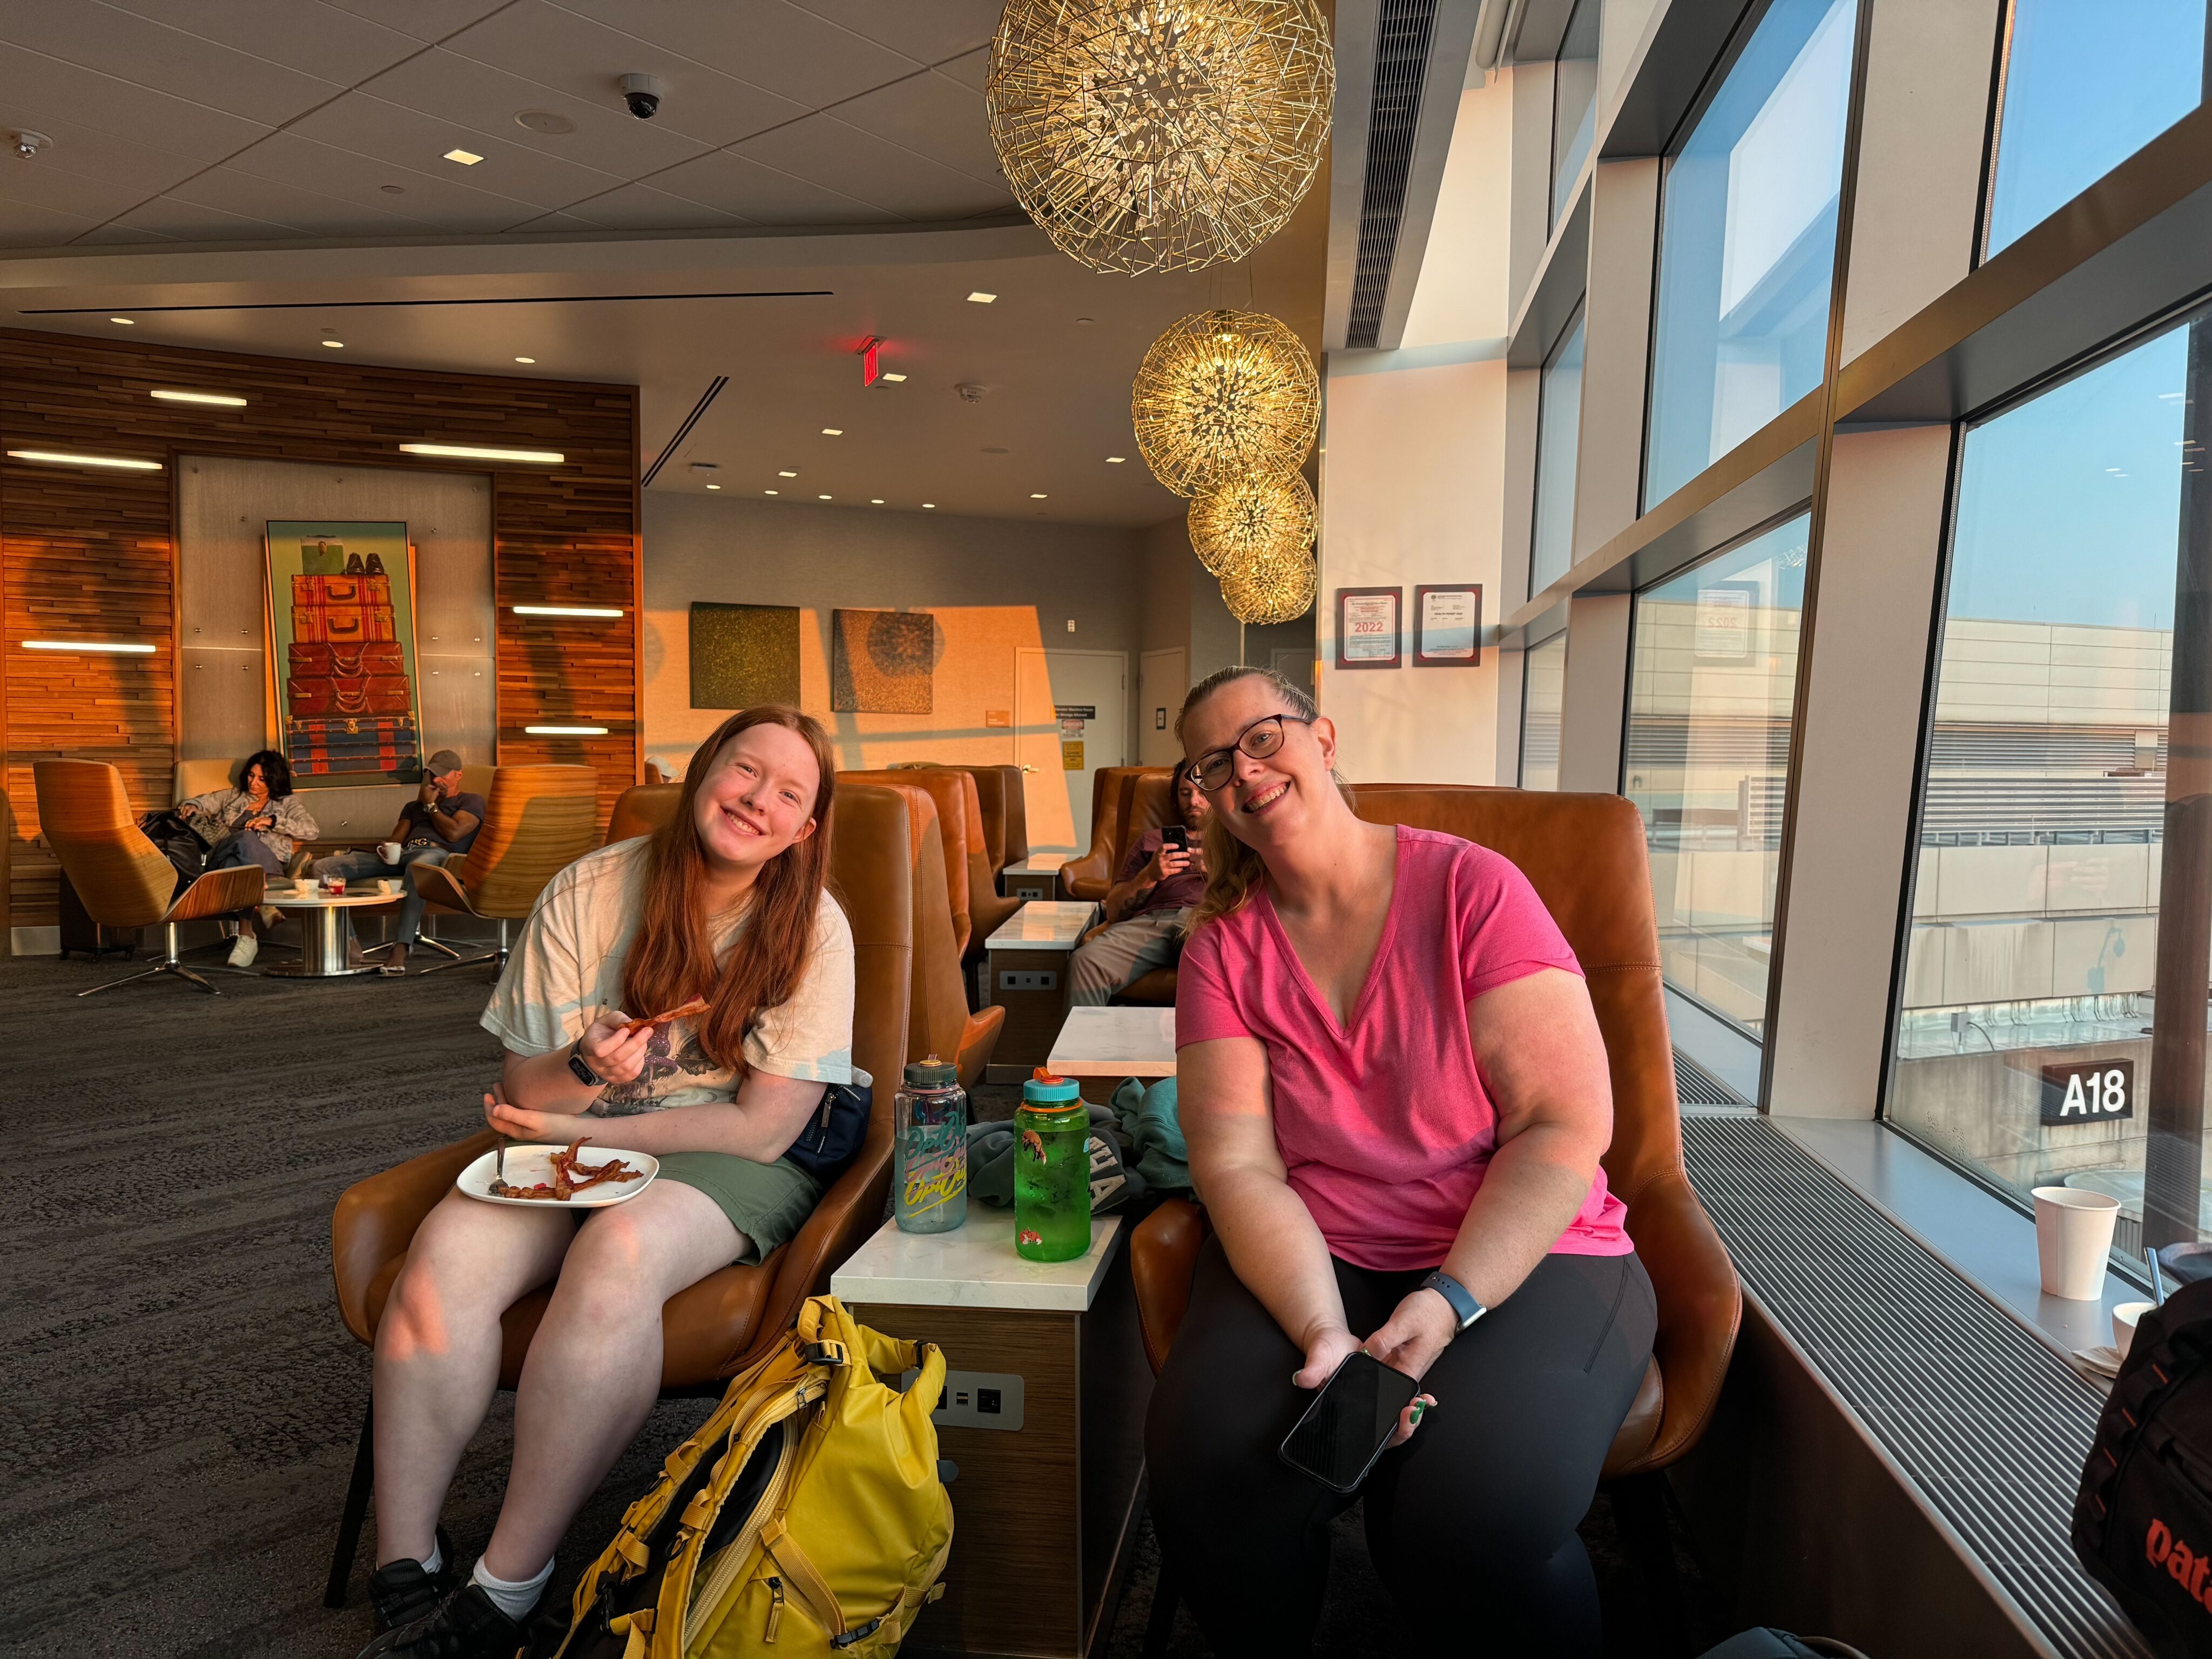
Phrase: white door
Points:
(1161, 684)
(1071, 717)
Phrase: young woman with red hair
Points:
(726, 903)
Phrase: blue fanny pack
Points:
(833, 1137)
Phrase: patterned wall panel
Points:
(92, 556)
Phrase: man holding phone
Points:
(438, 824)
(1164, 876)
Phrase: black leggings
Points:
(1471, 1523)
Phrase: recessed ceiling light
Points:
(473, 452)
(897, 380)
(219, 399)
(1086, 319)
(875, 500)
(824, 498)
(393, 190)
(787, 475)
(466, 158)
(832, 431)
(929, 504)
(1116, 460)
(335, 345)
(544, 120)
(713, 486)
(980, 298)
(525, 360)
(1035, 496)
(771, 492)
(72, 458)
(126, 321)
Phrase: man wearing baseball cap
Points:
(438, 824)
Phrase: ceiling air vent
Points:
(1403, 28)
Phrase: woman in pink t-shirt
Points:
(1395, 1097)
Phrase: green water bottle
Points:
(1052, 1170)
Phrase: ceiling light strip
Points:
(69, 458)
(668, 449)
(474, 453)
(562, 611)
(93, 647)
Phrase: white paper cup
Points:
(2124, 1323)
(389, 851)
(2073, 1236)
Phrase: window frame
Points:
(1558, 344)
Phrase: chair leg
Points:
(356, 1512)
(496, 955)
(1639, 1511)
(169, 964)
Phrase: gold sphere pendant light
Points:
(1160, 135)
(1277, 585)
(1257, 512)
(1223, 393)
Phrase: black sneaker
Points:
(401, 1593)
(467, 1627)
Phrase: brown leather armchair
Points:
(719, 1326)
(970, 887)
(1148, 802)
(538, 821)
(1111, 788)
(998, 787)
(122, 878)
(1585, 856)
(941, 1023)
(641, 809)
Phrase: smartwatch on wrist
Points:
(1465, 1308)
(584, 1073)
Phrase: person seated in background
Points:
(1147, 906)
(726, 902)
(260, 822)
(441, 822)
(1395, 1095)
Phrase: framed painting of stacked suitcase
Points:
(341, 651)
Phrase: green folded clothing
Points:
(991, 1165)
(1150, 1124)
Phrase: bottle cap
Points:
(1043, 1089)
(933, 1074)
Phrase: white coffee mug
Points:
(2073, 1236)
(389, 851)
(2124, 1323)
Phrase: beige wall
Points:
(993, 584)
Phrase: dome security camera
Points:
(643, 94)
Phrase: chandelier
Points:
(1224, 393)
(1275, 586)
(1159, 135)
(1252, 513)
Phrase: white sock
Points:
(515, 1600)
(435, 1559)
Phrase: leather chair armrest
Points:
(1162, 1257)
(979, 1039)
(438, 884)
(218, 893)
(1086, 877)
(1700, 1308)
(376, 1218)
(849, 1212)
(989, 913)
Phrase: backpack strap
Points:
(804, 1577)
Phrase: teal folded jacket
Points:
(1154, 1132)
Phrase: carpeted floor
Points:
(178, 1401)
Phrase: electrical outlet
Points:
(977, 1400)
(1046, 980)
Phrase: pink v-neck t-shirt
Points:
(1383, 1122)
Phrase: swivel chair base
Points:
(497, 955)
(169, 964)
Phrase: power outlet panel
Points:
(976, 1399)
(1046, 979)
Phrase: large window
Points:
(1746, 243)
(2085, 86)
(1543, 692)
(1559, 434)
(1574, 103)
(2036, 906)
(1711, 700)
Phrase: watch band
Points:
(584, 1073)
(1465, 1308)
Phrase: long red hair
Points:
(672, 960)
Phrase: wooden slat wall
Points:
(89, 555)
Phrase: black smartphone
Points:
(1177, 836)
(1350, 1421)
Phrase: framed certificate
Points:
(1447, 626)
(1368, 633)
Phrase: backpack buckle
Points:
(826, 1353)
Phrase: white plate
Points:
(529, 1163)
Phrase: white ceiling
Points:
(230, 121)
(218, 176)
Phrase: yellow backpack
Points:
(805, 1520)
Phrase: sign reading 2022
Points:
(2089, 1091)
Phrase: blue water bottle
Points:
(929, 1182)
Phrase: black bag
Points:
(833, 1137)
(1767, 1643)
(180, 844)
(2143, 1520)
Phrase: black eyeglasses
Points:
(1260, 739)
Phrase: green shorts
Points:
(766, 1202)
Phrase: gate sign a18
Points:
(2089, 1091)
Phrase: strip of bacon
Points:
(690, 1010)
